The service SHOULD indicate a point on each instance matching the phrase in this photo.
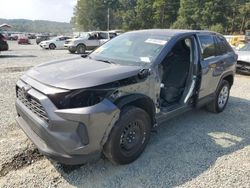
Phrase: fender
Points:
(138, 100)
(132, 98)
(200, 103)
(229, 73)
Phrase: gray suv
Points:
(108, 102)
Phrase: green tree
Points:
(165, 12)
(190, 14)
(214, 14)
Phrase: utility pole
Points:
(108, 16)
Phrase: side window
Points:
(112, 35)
(102, 35)
(93, 37)
(207, 45)
(223, 46)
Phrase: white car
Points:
(243, 63)
(55, 43)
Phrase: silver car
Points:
(87, 41)
(243, 64)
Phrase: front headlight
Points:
(78, 98)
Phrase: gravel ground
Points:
(196, 149)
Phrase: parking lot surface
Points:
(196, 149)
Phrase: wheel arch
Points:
(138, 100)
(229, 76)
(80, 44)
(52, 43)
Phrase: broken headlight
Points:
(78, 98)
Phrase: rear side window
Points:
(207, 45)
(103, 36)
(223, 46)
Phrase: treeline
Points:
(224, 16)
(38, 26)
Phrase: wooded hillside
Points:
(225, 16)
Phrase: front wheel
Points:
(220, 102)
(81, 49)
(129, 136)
(52, 46)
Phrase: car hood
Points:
(78, 73)
(47, 41)
(243, 56)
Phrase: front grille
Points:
(32, 103)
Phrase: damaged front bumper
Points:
(70, 136)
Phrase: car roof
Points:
(173, 32)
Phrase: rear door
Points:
(226, 54)
(103, 37)
(209, 64)
(92, 41)
(60, 42)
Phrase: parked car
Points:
(23, 40)
(13, 37)
(237, 39)
(31, 36)
(247, 35)
(88, 41)
(243, 63)
(3, 43)
(55, 43)
(41, 38)
(108, 102)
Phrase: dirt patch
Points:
(21, 160)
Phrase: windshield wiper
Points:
(106, 61)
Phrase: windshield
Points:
(245, 48)
(55, 38)
(83, 35)
(137, 49)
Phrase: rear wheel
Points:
(52, 46)
(221, 99)
(81, 49)
(129, 136)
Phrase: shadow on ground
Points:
(180, 150)
(16, 56)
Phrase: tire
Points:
(129, 136)
(220, 102)
(81, 49)
(52, 46)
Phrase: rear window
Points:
(223, 46)
(207, 45)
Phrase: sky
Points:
(53, 10)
